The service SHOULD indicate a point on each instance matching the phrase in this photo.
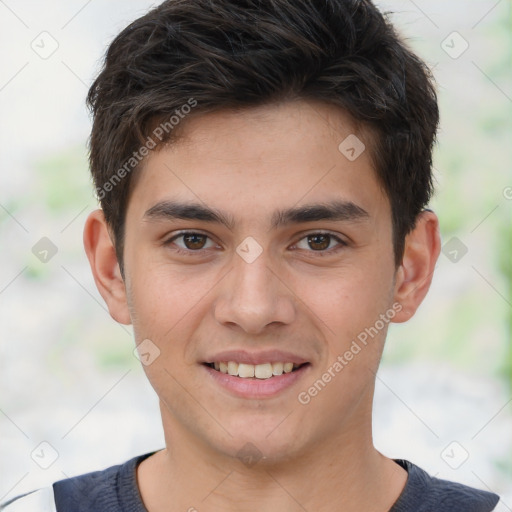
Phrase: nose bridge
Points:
(253, 297)
(254, 280)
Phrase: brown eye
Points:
(319, 242)
(194, 241)
(190, 242)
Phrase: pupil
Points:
(194, 241)
(322, 241)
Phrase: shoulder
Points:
(455, 496)
(424, 493)
(89, 490)
(109, 490)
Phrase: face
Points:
(255, 240)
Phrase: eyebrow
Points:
(336, 210)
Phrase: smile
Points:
(255, 371)
(256, 381)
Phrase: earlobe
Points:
(105, 267)
(414, 276)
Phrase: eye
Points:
(320, 242)
(190, 241)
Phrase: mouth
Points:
(256, 375)
(255, 371)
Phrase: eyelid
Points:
(341, 242)
(170, 239)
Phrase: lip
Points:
(267, 356)
(253, 388)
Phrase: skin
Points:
(318, 456)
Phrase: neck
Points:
(343, 472)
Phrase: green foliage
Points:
(63, 181)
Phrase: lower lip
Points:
(257, 388)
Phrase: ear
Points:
(105, 267)
(413, 277)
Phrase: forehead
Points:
(250, 160)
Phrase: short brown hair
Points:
(235, 54)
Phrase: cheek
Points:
(167, 309)
(348, 308)
(356, 291)
(168, 305)
(349, 302)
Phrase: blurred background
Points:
(73, 396)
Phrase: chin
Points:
(255, 446)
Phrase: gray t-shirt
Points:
(115, 490)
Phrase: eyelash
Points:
(191, 252)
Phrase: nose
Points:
(253, 297)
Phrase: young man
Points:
(263, 169)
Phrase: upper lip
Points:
(267, 356)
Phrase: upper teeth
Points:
(260, 371)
